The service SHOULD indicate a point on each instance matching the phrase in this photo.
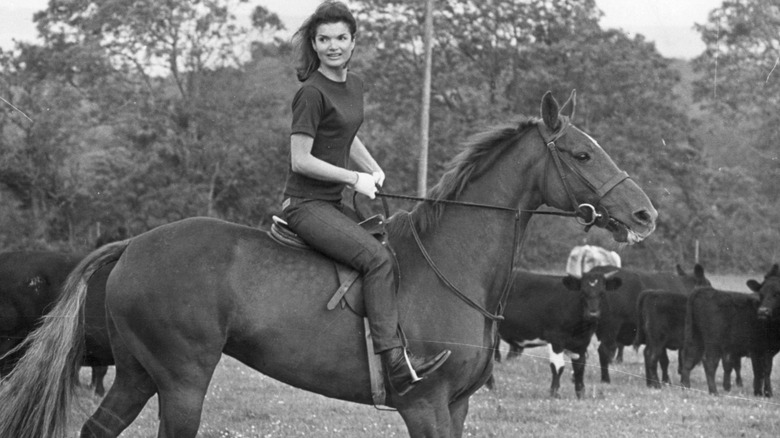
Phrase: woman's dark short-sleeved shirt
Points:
(331, 113)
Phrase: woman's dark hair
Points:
(328, 12)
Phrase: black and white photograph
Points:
(389, 218)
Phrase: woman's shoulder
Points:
(309, 87)
(307, 93)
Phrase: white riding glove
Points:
(365, 185)
(379, 177)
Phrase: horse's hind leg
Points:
(183, 372)
(181, 402)
(131, 390)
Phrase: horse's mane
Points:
(478, 154)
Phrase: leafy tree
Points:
(741, 74)
(40, 133)
(170, 66)
(740, 87)
(147, 112)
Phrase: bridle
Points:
(585, 213)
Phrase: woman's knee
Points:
(379, 259)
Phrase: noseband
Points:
(586, 214)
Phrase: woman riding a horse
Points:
(327, 113)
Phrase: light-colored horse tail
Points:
(35, 398)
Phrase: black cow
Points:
(30, 283)
(619, 318)
(562, 311)
(661, 327)
(727, 325)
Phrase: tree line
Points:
(130, 115)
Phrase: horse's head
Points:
(580, 175)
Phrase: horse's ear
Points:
(550, 110)
(570, 105)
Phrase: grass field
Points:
(243, 403)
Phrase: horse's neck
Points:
(478, 243)
(512, 183)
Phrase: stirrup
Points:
(412, 372)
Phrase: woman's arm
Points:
(362, 157)
(303, 162)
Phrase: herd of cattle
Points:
(621, 307)
(662, 311)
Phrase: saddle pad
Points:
(285, 236)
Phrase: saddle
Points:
(349, 293)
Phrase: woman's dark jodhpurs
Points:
(326, 228)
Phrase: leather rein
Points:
(586, 214)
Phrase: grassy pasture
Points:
(243, 403)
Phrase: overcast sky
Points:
(669, 23)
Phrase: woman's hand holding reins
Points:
(379, 177)
(365, 184)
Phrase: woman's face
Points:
(333, 43)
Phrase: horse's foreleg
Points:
(428, 415)
(458, 411)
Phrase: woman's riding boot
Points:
(404, 369)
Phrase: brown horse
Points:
(185, 293)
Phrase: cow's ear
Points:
(614, 283)
(698, 271)
(571, 283)
(754, 285)
(680, 270)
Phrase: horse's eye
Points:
(582, 156)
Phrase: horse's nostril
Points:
(643, 216)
